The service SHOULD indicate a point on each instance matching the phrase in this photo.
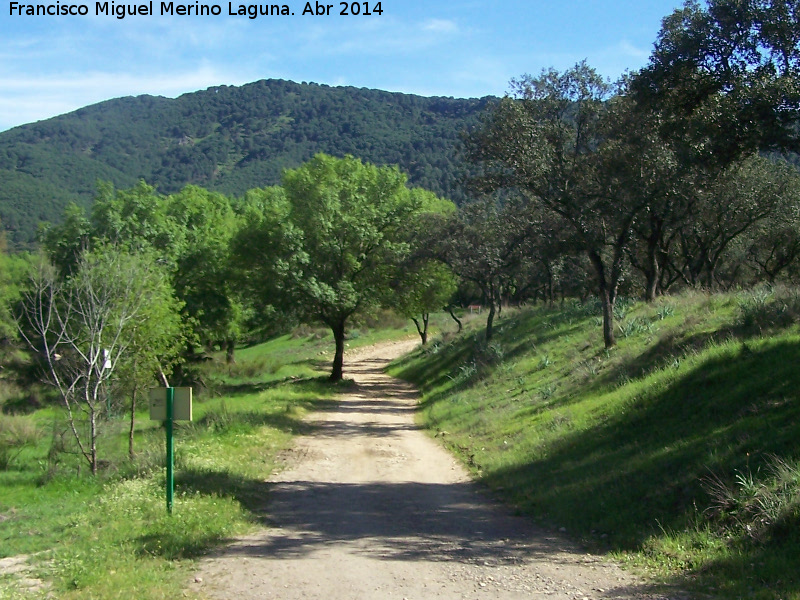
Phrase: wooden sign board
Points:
(181, 404)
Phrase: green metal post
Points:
(170, 449)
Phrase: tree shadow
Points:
(255, 387)
(672, 349)
(641, 471)
(249, 420)
(408, 521)
(251, 493)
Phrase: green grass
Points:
(306, 352)
(621, 447)
(91, 537)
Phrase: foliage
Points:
(203, 279)
(343, 234)
(13, 272)
(422, 283)
(188, 233)
(226, 139)
(421, 289)
(745, 195)
(262, 252)
(726, 76)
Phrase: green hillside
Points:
(228, 139)
(677, 451)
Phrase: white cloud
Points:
(441, 26)
(627, 49)
(27, 99)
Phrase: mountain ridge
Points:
(225, 138)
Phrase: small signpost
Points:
(170, 405)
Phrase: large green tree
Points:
(188, 232)
(548, 142)
(203, 277)
(726, 74)
(263, 253)
(350, 217)
(335, 233)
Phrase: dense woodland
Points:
(226, 139)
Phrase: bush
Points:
(254, 368)
(489, 354)
(752, 504)
(380, 319)
(768, 307)
(16, 434)
(465, 373)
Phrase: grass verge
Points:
(98, 537)
(676, 452)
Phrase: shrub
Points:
(766, 307)
(635, 326)
(622, 306)
(254, 368)
(752, 504)
(664, 311)
(16, 434)
(465, 372)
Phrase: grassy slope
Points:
(620, 447)
(92, 538)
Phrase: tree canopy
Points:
(726, 75)
(339, 227)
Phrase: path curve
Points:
(371, 507)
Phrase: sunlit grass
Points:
(95, 537)
(616, 446)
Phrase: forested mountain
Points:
(228, 139)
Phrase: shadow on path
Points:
(403, 521)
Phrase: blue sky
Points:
(50, 65)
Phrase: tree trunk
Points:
(93, 436)
(652, 270)
(422, 330)
(653, 276)
(607, 297)
(230, 349)
(131, 453)
(608, 317)
(338, 358)
(490, 322)
(455, 318)
(162, 376)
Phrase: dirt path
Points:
(371, 507)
